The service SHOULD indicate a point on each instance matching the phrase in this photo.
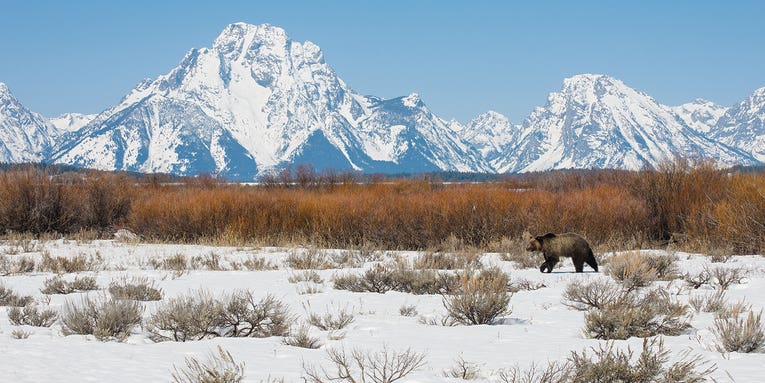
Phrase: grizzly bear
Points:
(553, 247)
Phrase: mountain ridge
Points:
(256, 101)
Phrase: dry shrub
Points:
(105, 318)
(332, 320)
(10, 265)
(41, 201)
(554, 372)
(447, 261)
(408, 310)
(735, 222)
(178, 264)
(302, 338)
(698, 279)
(595, 294)
(243, 316)
(739, 334)
(384, 366)
(135, 288)
(194, 316)
(309, 259)
(9, 298)
(464, 370)
(33, 201)
(724, 277)
(649, 314)
(609, 365)
(677, 192)
(198, 315)
(31, 315)
(708, 303)
(398, 277)
(220, 368)
(210, 261)
(732, 310)
(482, 298)
(253, 263)
(21, 334)
(59, 285)
(74, 264)
(632, 269)
(305, 276)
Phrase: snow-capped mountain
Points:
(24, 136)
(743, 125)
(493, 135)
(596, 121)
(70, 122)
(257, 101)
(701, 115)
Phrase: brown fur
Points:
(555, 246)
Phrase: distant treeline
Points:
(695, 206)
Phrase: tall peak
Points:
(590, 80)
(239, 32)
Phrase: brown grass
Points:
(684, 203)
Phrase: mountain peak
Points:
(412, 100)
(242, 36)
(3, 88)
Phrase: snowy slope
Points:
(275, 101)
(70, 122)
(596, 121)
(743, 125)
(493, 135)
(24, 136)
(701, 115)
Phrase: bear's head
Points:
(534, 244)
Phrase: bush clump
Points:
(610, 365)
(31, 315)
(385, 277)
(9, 298)
(384, 366)
(198, 315)
(631, 269)
(640, 315)
(482, 297)
(739, 334)
(220, 368)
(58, 285)
(105, 318)
(135, 288)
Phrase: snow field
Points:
(539, 328)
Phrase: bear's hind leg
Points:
(578, 264)
(590, 259)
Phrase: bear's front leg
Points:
(543, 267)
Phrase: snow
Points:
(411, 100)
(539, 329)
(70, 122)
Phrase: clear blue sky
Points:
(463, 57)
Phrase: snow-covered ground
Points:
(539, 329)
